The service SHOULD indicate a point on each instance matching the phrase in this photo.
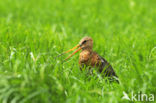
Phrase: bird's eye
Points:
(84, 42)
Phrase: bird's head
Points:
(85, 43)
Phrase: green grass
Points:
(124, 33)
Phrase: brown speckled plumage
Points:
(90, 58)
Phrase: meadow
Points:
(34, 32)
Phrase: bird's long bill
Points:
(68, 51)
(72, 49)
(73, 53)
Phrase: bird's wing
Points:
(106, 67)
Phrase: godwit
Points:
(90, 58)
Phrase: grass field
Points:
(33, 32)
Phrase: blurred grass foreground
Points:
(33, 32)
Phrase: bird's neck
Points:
(87, 49)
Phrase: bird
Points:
(91, 59)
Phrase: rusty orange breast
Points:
(89, 58)
(85, 56)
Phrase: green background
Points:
(33, 32)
